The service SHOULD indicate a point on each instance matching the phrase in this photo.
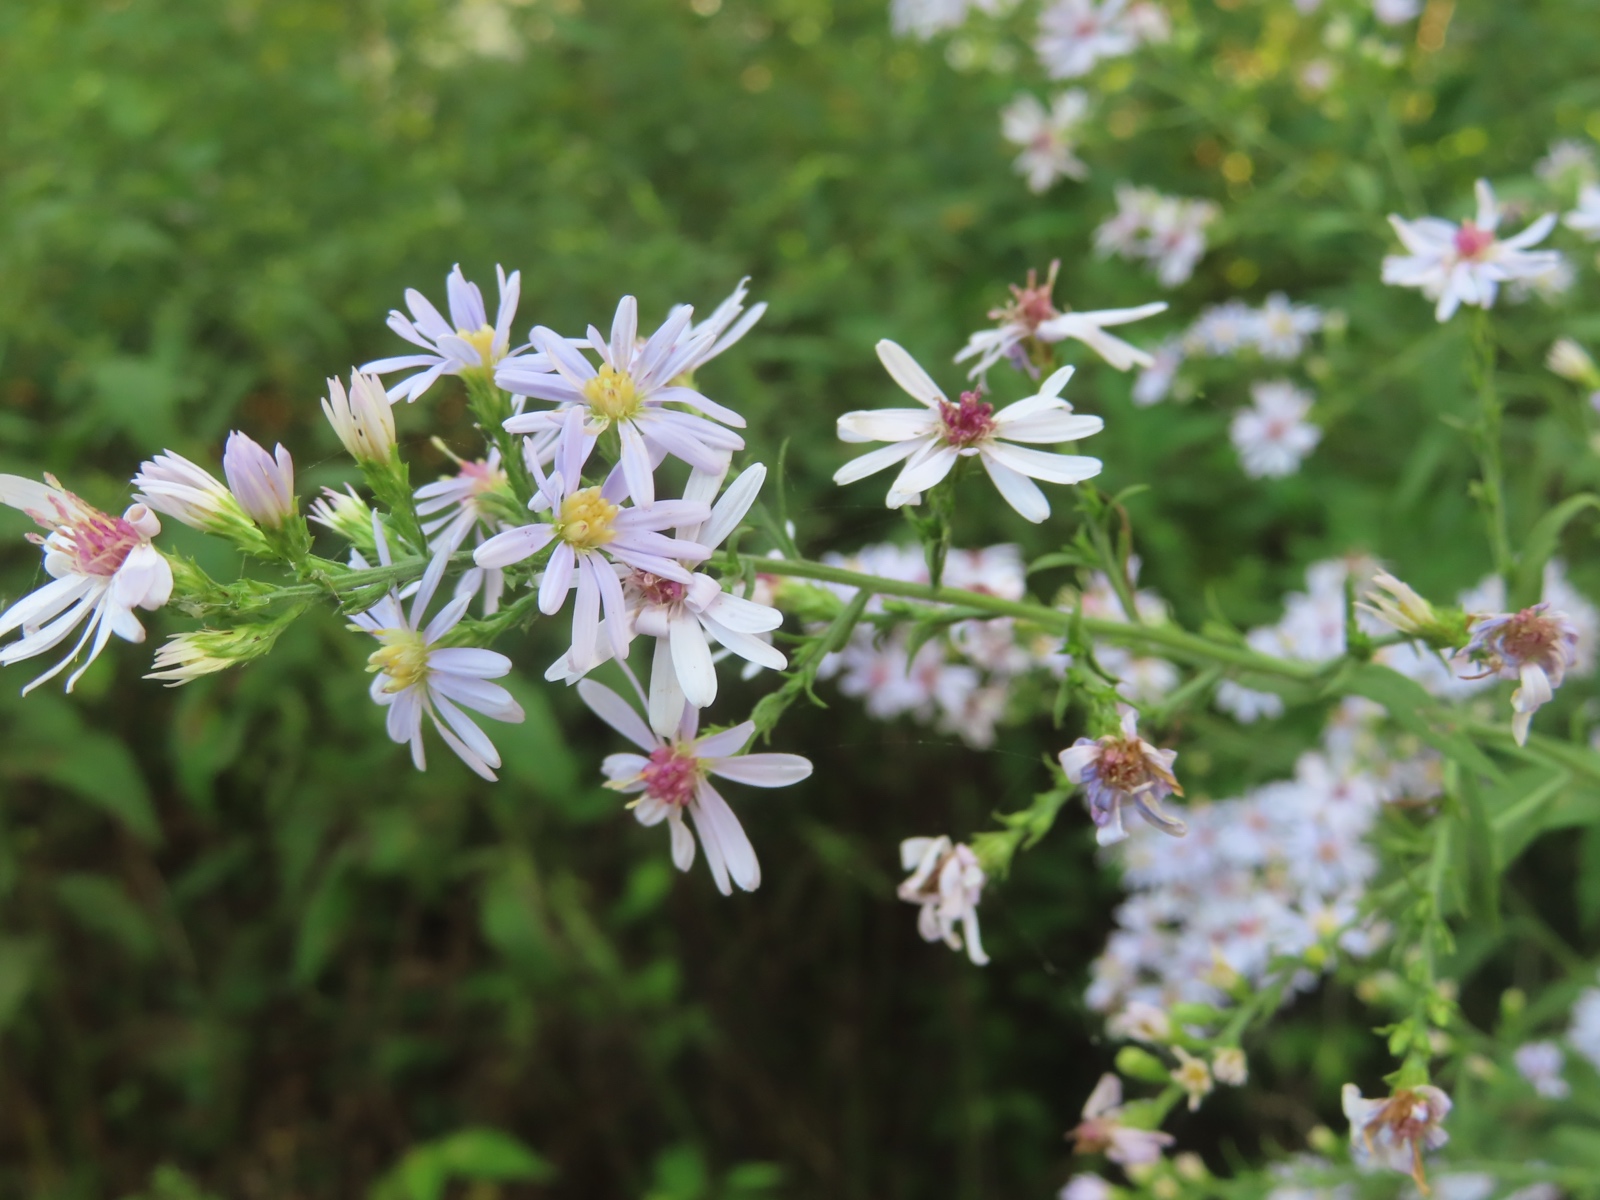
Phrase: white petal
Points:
(617, 713)
(762, 770)
(908, 374)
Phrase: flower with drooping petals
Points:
(1272, 435)
(630, 392)
(1047, 136)
(1102, 1132)
(101, 569)
(1465, 263)
(947, 882)
(589, 525)
(263, 483)
(465, 343)
(1031, 315)
(930, 440)
(1114, 770)
(1394, 1132)
(416, 677)
(1535, 647)
(672, 775)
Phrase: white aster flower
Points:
(1155, 382)
(1283, 326)
(1273, 435)
(262, 483)
(631, 391)
(588, 525)
(1076, 34)
(463, 344)
(1101, 1131)
(1465, 263)
(1047, 137)
(1394, 1132)
(1230, 1067)
(1246, 705)
(1585, 218)
(417, 677)
(672, 775)
(454, 507)
(1541, 1064)
(101, 569)
(1177, 237)
(930, 440)
(947, 883)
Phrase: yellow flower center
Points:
(403, 657)
(585, 521)
(612, 395)
(481, 340)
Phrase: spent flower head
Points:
(1535, 646)
(1395, 1132)
(947, 881)
(1123, 768)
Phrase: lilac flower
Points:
(588, 526)
(672, 776)
(947, 882)
(1102, 1132)
(1465, 263)
(929, 440)
(417, 677)
(1534, 646)
(1541, 1064)
(631, 391)
(101, 568)
(1395, 1131)
(463, 344)
(453, 508)
(1114, 770)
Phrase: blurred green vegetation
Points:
(248, 952)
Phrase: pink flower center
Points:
(100, 543)
(1122, 764)
(1531, 636)
(967, 423)
(656, 590)
(481, 476)
(1031, 304)
(670, 775)
(1472, 242)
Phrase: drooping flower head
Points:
(1466, 262)
(101, 568)
(947, 882)
(464, 344)
(672, 780)
(1114, 770)
(1534, 646)
(1395, 1132)
(1102, 1130)
(929, 440)
(416, 677)
(630, 391)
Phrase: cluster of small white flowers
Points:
(1275, 873)
(1166, 232)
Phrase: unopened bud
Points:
(362, 418)
(346, 514)
(262, 483)
(185, 491)
(1571, 361)
(187, 656)
(1229, 1066)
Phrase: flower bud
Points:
(1229, 1066)
(1398, 606)
(362, 418)
(262, 483)
(188, 656)
(1135, 1063)
(1571, 361)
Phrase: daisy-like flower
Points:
(947, 882)
(416, 677)
(465, 343)
(1115, 770)
(1272, 436)
(1395, 1132)
(1534, 647)
(1456, 264)
(1193, 1076)
(685, 619)
(1047, 137)
(630, 391)
(1031, 316)
(1177, 239)
(101, 569)
(588, 525)
(930, 440)
(1155, 382)
(672, 775)
(1541, 1064)
(1102, 1132)
(1283, 326)
(1076, 34)
(453, 508)
(1585, 218)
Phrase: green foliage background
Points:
(248, 952)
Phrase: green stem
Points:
(1486, 435)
